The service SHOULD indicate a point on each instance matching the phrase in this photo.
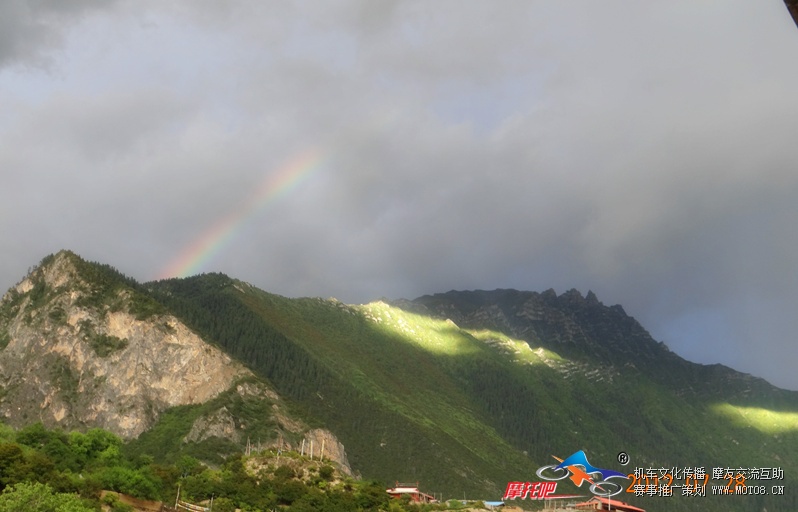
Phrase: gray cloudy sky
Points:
(644, 150)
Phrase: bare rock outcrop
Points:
(74, 361)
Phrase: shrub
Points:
(104, 345)
(36, 497)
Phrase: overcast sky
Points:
(643, 150)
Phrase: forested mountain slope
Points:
(466, 391)
(462, 391)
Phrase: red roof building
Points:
(416, 496)
(597, 503)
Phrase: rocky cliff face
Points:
(82, 346)
(289, 434)
(74, 361)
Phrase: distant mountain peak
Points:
(578, 326)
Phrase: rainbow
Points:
(194, 257)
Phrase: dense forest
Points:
(45, 470)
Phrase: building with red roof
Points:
(597, 503)
(416, 496)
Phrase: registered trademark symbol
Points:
(623, 458)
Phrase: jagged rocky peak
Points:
(82, 346)
(572, 324)
(573, 295)
(467, 302)
(54, 270)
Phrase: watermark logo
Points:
(577, 467)
(531, 490)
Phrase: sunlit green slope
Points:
(469, 390)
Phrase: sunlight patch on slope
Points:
(519, 350)
(764, 420)
(431, 334)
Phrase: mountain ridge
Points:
(464, 391)
(529, 320)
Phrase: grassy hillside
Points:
(402, 413)
(467, 408)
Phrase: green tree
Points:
(100, 440)
(372, 496)
(11, 461)
(189, 466)
(36, 497)
(114, 505)
(326, 472)
(129, 481)
(284, 472)
(35, 435)
(36, 467)
(224, 505)
(290, 491)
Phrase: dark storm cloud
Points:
(29, 29)
(640, 150)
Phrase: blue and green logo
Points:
(577, 467)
